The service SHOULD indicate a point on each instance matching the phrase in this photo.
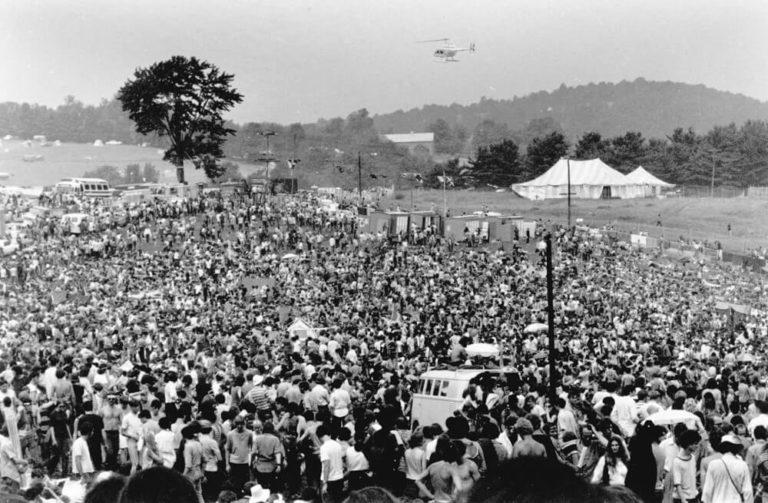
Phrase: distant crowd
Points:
(155, 344)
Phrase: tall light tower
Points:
(268, 157)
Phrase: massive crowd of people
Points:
(156, 339)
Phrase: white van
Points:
(439, 394)
(71, 222)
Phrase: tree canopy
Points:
(497, 165)
(182, 99)
(543, 152)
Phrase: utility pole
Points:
(360, 177)
(445, 200)
(568, 161)
(712, 182)
(550, 316)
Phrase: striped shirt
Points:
(259, 397)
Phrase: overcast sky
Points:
(302, 60)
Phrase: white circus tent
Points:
(652, 186)
(591, 179)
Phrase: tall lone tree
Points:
(183, 99)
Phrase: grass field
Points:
(701, 219)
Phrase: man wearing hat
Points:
(728, 479)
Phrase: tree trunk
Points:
(180, 174)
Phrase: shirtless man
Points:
(444, 480)
(466, 472)
(453, 477)
(527, 446)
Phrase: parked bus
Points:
(92, 187)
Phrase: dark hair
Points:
(371, 495)
(688, 438)
(107, 490)
(85, 428)
(158, 485)
(491, 431)
(345, 434)
(164, 423)
(226, 496)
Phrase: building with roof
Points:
(416, 143)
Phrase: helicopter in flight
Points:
(447, 53)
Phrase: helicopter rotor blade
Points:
(434, 40)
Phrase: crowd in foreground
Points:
(156, 344)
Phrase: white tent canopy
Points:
(641, 175)
(592, 179)
(652, 186)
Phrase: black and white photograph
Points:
(383, 251)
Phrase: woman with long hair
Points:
(612, 467)
(642, 473)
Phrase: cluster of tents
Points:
(591, 179)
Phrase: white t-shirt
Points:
(80, 449)
(170, 392)
(356, 460)
(166, 447)
(131, 426)
(340, 402)
(332, 452)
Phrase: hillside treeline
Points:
(653, 108)
(498, 155)
(72, 121)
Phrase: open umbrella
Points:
(290, 256)
(535, 328)
(673, 416)
(483, 349)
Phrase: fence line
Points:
(757, 192)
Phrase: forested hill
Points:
(652, 108)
